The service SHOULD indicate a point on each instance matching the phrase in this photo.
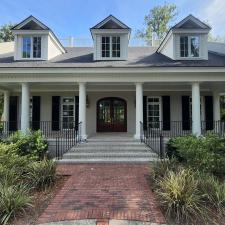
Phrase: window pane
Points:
(153, 112)
(194, 46)
(183, 46)
(105, 47)
(26, 47)
(37, 47)
(115, 46)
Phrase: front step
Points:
(108, 160)
(110, 150)
(108, 155)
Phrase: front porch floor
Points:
(104, 191)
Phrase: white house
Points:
(112, 87)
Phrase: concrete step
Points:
(113, 140)
(105, 143)
(83, 150)
(76, 155)
(110, 148)
(108, 160)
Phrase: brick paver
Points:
(104, 191)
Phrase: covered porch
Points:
(174, 108)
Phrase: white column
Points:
(82, 109)
(139, 109)
(6, 106)
(196, 114)
(25, 108)
(216, 106)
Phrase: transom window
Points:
(31, 47)
(189, 46)
(68, 112)
(110, 47)
(154, 112)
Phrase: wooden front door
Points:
(111, 115)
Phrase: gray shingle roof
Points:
(78, 57)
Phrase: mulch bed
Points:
(40, 203)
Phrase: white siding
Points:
(168, 49)
(53, 48)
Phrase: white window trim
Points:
(31, 48)
(110, 47)
(189, 47)
(61, 111)
(160, 111)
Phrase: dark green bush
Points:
(41, 174)
(206, 154)
(10, 160)
(32, 144)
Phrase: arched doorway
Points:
(111, 115)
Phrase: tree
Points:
(6, 33)
(157, 21)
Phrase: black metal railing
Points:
(68, 139)
(156, 134)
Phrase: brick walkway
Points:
(109, 191)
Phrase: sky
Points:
(75, 17)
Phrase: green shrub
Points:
(14, 200)
(32, 144)
(41, 174)
(10, 160)
(213, 191)
(178, 193)
(206, 154)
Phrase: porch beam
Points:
(25, 107)
(139, 109)
(196, 112)
(82, 109)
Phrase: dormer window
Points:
(31, 47)
(187, 40)
(111, 38)
(189, 46)
(110, 47)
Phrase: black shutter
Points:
(185, 112)
(36, 112)
(76, 112)
(166, 112)
(13, 113)
(145, 112)
(209, 112)
(55, 112)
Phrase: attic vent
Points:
(31, 26)
(110, 25)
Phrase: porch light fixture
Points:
(87, 102)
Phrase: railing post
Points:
(161, 148)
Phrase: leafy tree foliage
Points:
(157, 21)
(6, 33)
